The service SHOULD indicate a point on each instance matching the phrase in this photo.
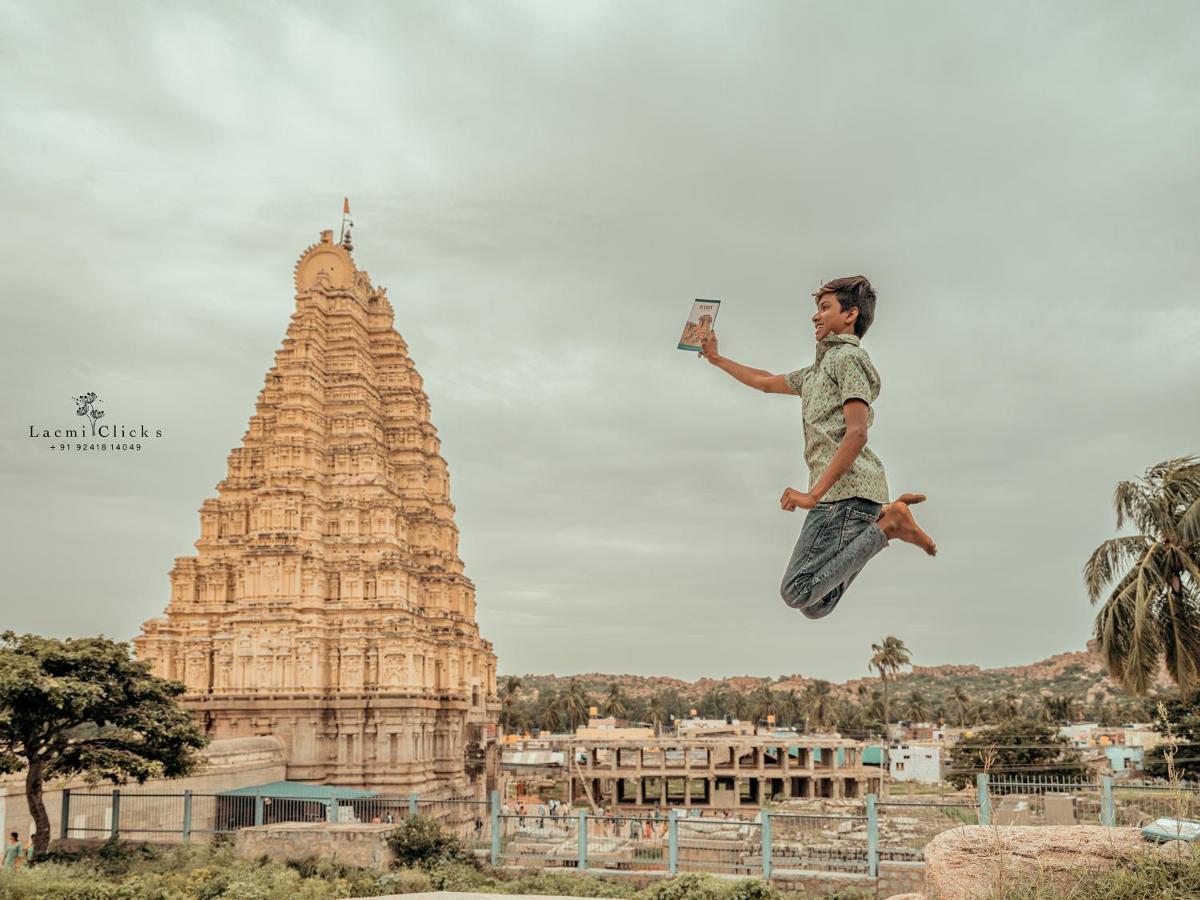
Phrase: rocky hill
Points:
(1079, 675)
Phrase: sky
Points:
(544, 187)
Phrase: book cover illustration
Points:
(700, 322)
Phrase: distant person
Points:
(12, 850)
(849, 517)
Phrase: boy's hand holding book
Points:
(708, 347)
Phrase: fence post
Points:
(495, 828)
(872, 837)
(412, 803)
(332, 812)
(766, 845)
(116, 812)
(582, 864)
(258, 809)
(985, 802)
(1108, 812)
(672, 843)
(187, 815)
(66, 814)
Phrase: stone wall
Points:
(356, 845)
(901, 878)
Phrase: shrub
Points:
(692, 886)
(755, 889)
(406, 881)
(420, 841)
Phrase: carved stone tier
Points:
(327, 603)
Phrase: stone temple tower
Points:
(327, 604)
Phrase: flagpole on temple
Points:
(346, 223)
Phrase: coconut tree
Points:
(659, 710)
(888, 657)
(817, 701)
(917, 707)
(961, 700)
(763, 702)
(576, 703)
(550, 709)
(508, 701)
(615, 702)
(716, 701)
(1152, 613)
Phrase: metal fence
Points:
(852, 837)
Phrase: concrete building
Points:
(920, 762)
(716, 773)
(327, 604)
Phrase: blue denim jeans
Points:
(835, 543)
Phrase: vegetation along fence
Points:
(852, 838)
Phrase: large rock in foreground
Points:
(978, 861)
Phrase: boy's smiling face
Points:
(830, 318)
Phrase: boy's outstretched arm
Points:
(759, 379)
(849, 447)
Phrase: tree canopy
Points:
(85, 707)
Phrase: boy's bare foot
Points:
(897, 522)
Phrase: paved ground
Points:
(458, 895)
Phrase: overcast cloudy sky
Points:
(544, 187)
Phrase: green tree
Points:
(508, 701)
(716, 702)
(763, 702)
(659, 710)
(550, 709)
(1017, 747)
(1183, 716)
(576, 703)
(818, 705)
(888, 657)
(961, 701)
(86, 707)
(615, 702)
(1152, 613)
(917, 707)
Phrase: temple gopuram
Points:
(326, 603)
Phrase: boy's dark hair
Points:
(853, 291)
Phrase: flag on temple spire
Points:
(346, 206)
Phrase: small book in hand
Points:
(699, 323)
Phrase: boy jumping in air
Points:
(849, 517)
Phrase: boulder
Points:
(977, 861)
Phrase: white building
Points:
(920, 762)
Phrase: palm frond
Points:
(1105, 563)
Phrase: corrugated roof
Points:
(296, 790)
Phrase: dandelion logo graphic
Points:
(85, 405)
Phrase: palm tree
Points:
(917, 707)
(1152, 614)
(614, 702)
(550, 709)
(763, 702)
(576, 703)
(508, 701)
(961, 700)
(889, 656)
(715, 701)
(658, 709)
(817, 701)
(790, 707)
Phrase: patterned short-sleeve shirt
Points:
(842, 371)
